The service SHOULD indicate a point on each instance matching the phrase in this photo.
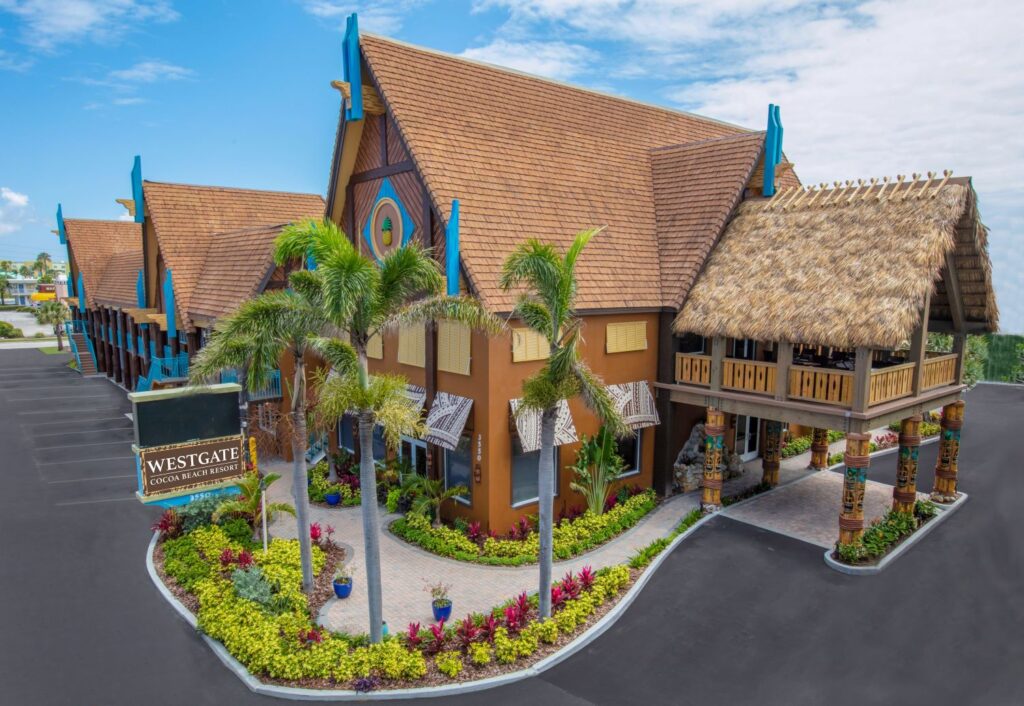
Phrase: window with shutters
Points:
(453, 347)
(375, 347)
(412, 345)
(626, 336)
(527, 344)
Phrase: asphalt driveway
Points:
(736, 615)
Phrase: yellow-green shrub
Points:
(449, 663)
(504, 647)
(480, 653)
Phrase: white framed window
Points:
(525, 474)
(629, 448)
(458, 468)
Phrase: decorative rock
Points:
(689, 464)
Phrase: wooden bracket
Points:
(372, 102)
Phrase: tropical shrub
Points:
(885, 533)
(597, 467)
(199, 512)
(449, 663)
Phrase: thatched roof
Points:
(844, 267)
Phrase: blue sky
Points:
(237, 93)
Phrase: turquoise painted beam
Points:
(353, 68)
(81, 294)
(137, 195)
(451, 251)
(169, 305)
(772, 150)
(140, 290)
(61, 232)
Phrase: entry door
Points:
(747, 437)
(416, 451)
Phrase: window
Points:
(453, 347)
(415, 451)
(412, 345)
(525, 485)
(347, 433)
(380, 447)
(458, 467)
(628, 449)
(527, 344)
(626, 336)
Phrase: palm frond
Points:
(535, 264)
(340, 355)
(535, 314)
(462, 309)
(596, 397)
(296, 241)
(405, 274)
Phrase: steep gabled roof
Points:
(117, 287)
(93, 244)
(237, 264)
(528, 157)
(185, 217)
(849, 267)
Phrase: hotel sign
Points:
(181, 467)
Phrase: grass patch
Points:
(51, 350)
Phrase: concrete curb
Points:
(943, 511)
(298, 694)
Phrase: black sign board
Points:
(177, 416)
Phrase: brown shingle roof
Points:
(236, 265)
(185, 217)
(696, 187)
(117, 287)
(531, 157)
(93, 244)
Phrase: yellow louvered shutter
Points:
(375, 347)
(453, 347)
(412, 345)
(527, 344)
(626, 336)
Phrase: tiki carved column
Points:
(819, 449)
(904, 495)
(771, 455)
(851, 518)
(944, 490)
(711, 484)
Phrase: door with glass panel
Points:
(747, 433)
(415, 452)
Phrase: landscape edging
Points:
(298, 694)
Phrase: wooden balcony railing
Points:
(812, 384)
(748, 376)
(693, 369)
(939, 371)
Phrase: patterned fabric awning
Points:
(635, 403)
(528, 426)
(446, 419)
(417, 394)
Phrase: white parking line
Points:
(44, 424)
(94, 502)
(87, 431)
(86, 460)
(61, 397)
(78, 446)
(81, 480)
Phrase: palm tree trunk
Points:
(60, 341)
(546, 501)
(371, 538)
(299, 483)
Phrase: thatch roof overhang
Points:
(847, 267)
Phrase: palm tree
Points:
(5, 287)
(249, 503)
(264, 330)
(43, 262)
(25, 271)
(548, 307)
(5, 266)
(55, 314)
(364, 299)
(430, 494)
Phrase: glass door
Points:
(415, 451)
(747, 437)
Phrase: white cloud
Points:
(556, 60)
(150, 72)
(14, 210)
(382, 17)
(125, 216)
(124, 83)
(46, 24)
(867, 87)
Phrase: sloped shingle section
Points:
(185, 218)
(117, 288)
(94, 243)
(236, 265)
(528, 157)
(696, 187)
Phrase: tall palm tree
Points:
(25, 271)
(548, 307)
(54, 313)
(364, 299)
(5, 287)
(263, 330)
(43, 262)
(6, 266)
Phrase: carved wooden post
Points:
(711, 484)
(772, 453)
(904, 495)
(946, 469)
(851, 518)
(819, 449)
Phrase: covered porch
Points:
(817, 308)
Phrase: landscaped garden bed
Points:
(884, 535)
(572, 536)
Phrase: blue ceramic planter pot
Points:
(333, 498)
(442, 610)
(343, 590)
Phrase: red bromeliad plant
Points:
(169, 524)
(438, 637)
(571, 586)
(310, 637)
(245, 559)
(489, 627)
(467, 632)
(587, 577)
(523, 605)
(315, 532)
(226, 557)
(513, 620)
(412, 636)
(558, 596)
(474, 533)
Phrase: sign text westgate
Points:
(180, 467)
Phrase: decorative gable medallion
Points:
(389, 226)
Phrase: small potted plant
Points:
(342, 583)
(440, 602)
(333, 494)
